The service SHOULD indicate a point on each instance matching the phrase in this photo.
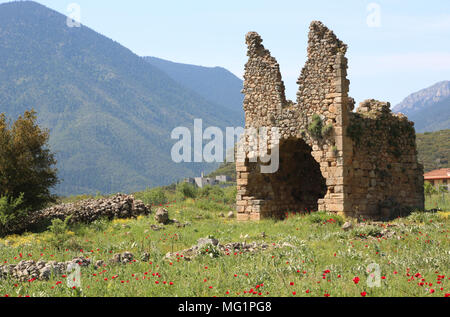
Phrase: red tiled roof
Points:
(443, 173)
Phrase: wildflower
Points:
(363, 294)
(356, 280)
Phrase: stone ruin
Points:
(359, 164)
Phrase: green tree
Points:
(10, 212)
(185, 190)
(429, 189)
(59, 230)
(26, 163)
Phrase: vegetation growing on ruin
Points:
(317, 129)
(326, 130)
(315, 126)
(355, 129)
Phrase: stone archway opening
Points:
(296, 186)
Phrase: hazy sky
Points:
(396, 47)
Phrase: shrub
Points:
(322, 217)
(315, 127)
(211, 192)
(154, 196)
(186, 190)
(210, 250)
(11, 212)
(230, 194)
(60, 233)
(326, 130)
(423, 217)
(429, 189)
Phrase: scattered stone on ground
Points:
(230, 215)
(29, 270)
(347, 226)
(205, 241)
(179, 224)
(156, 228)
(123, 258)
(386, 232)
(162, 216)
(192, 252)
(145, 257)
(99, 264)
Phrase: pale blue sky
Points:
(409, 51)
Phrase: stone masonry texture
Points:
(361, 164)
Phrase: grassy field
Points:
(318, 258)
(438, 201)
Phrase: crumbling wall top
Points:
(264, 89)
(321, 36)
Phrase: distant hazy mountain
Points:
(109, 112)
(213, 83)
(428, 108)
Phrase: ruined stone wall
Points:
(85, 211)
(316, 154)
(385, 178)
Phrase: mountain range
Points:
(213, 83)
(429, 108)
(110, 112)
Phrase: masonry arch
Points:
(296, 186)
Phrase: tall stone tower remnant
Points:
(360, 164)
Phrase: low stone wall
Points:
(87, 211)
(41, 270)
